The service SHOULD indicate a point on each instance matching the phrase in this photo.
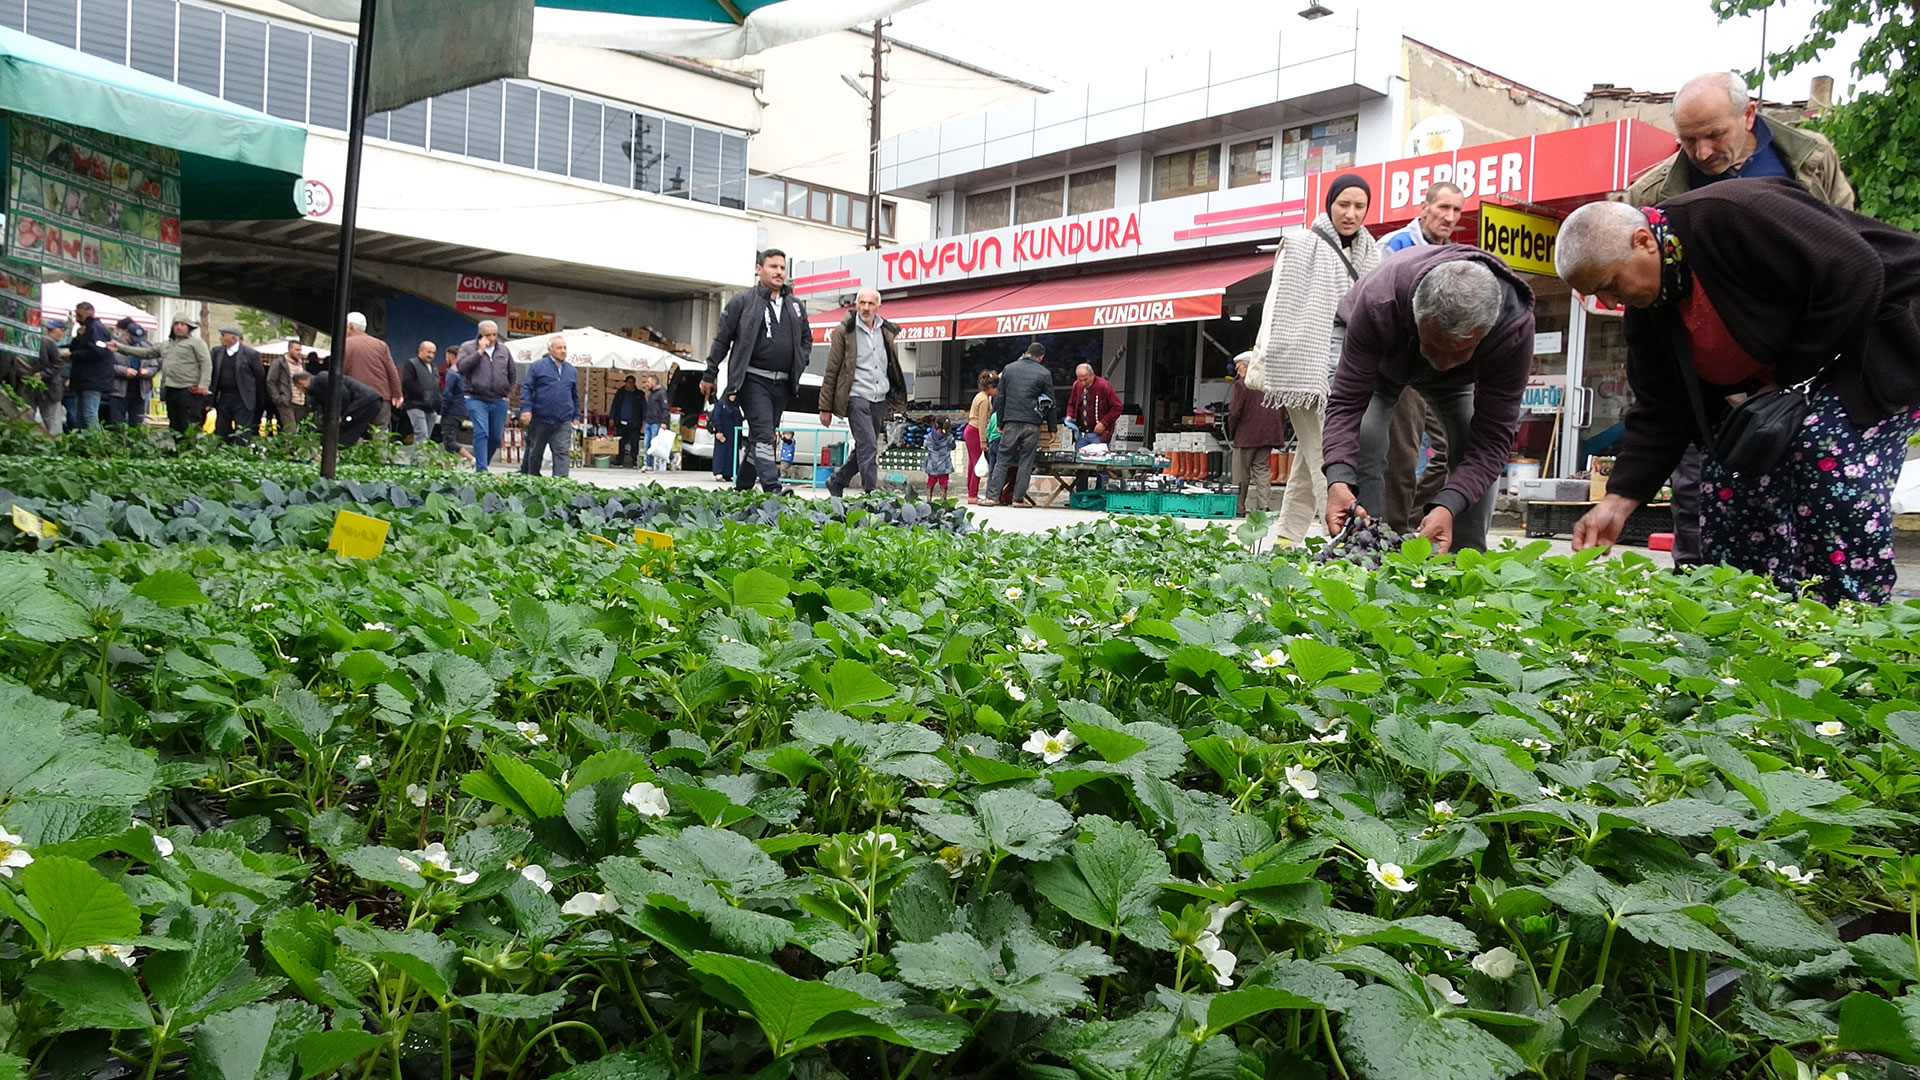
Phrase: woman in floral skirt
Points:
(1736, 289)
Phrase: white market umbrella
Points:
(588, 347)
(58, 298)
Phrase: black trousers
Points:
(185, 409)
(1687, 548)
(235, 423)
(630, 432)
(762, 400)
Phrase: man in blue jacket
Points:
(91, 375)
(550, 404)
(759, 353)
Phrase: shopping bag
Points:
(980, 466)
(662, 445)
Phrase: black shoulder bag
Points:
(1756, 433)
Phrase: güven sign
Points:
(477, 295)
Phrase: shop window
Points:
(616, 143)
(103, 30)
(54, 20)
(1320, 147)
(733, 172)
(1090, 191)
(859, 214)
(842, 210)
(484, 103)
(796, 199)
(1040, 201)
(676, 160)
(886, 218)
(583, 161)
(447, 125)
(332, 66)
(706, 166)
(1186, 172)
(199, 49)
(287, 73)
(409, 124)
(245, 78)
(1250, 163)
(522, 119)
(556, 115)
(151, 41)
(989, 210)
(767, 194)
(377, 126)
(818, 203)
(13, 14)
(647, 157)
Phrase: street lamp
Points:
(1316, 10)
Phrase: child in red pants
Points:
(939, 456)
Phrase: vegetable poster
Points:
(20, 309)
(102, 207)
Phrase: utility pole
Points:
(349, 218)
(873, 136)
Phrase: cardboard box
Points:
(1600, 471)
(603, 446)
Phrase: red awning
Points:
(920, 318)
(1182, 293)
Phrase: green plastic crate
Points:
(1087, 500)
(1133, 502)
(1200, 505)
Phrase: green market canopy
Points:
(235, 164)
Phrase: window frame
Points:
(1153, 160)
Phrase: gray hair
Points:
(356, 320)
(487, 326)
(1461, 298)
(1596, 236)
(1729, 83)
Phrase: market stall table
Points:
(1119, 468)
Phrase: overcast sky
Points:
(1556, 46)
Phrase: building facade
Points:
(606, 188)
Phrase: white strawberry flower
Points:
(377, 626)
(12, 855)
(1832, 729)
(1390, 876)
(1442, 809)
(1220, 960)
(1791, 874)
(537, 874)
(162, 846)
(1031, 643)
(102, 953)
(258, 608)
(417, 795)
(1015, 592)
(898, 654)
(1498, 962)
(1014, 691)
(363, 762)
(1051, 748)
(407, 864)
(530, 732)
(1217, 915)
(589, 904)
(1333, 738)
(1535, 744)
(1304, 781)
(1267, 661)
(1551, 791)
(1439, 985)
(648, 800)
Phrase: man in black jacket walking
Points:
(1025, 402)
(421, 390)
(758, 353)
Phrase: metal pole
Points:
(873, 140)
(1760, 92)
(349, 215)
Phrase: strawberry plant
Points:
(849, 792)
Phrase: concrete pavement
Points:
(1025, 520)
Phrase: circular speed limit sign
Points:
(316, 198)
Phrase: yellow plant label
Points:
(35, 525)
(602, 539)
(358, 536)
(651, 538)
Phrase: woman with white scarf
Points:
(1311, 275)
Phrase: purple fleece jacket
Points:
(1382, 350)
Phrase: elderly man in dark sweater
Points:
(1455, 324)
(759, 353)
